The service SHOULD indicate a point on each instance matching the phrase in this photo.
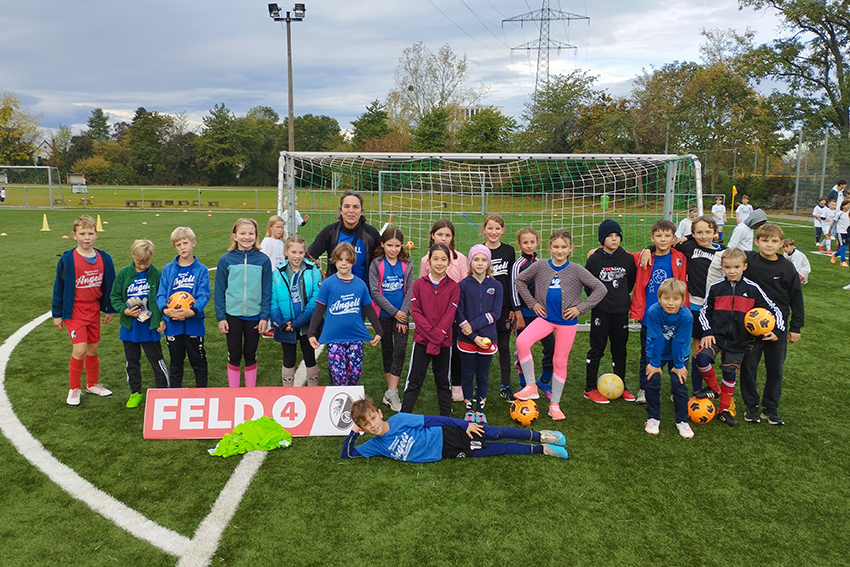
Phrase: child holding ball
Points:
(557, 303)
(391, 286)
(295, 287)
(478, 310)
(243, 295)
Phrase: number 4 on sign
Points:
(289, 411)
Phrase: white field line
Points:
(195, 552)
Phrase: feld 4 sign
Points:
(209, 413)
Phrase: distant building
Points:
(467, 112)
(42, 152)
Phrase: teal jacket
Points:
(243, 285)
(118, 297)
(308, 289)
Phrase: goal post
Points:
(32, 185)
(575, 192)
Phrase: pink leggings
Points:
(564, 337)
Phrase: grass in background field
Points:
(752, 495)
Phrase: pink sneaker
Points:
(528, 393)
(555, 412)
(457, 394)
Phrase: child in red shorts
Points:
(81, 291)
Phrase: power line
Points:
(466, 33)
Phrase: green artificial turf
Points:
(755, 495)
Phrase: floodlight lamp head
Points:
(274, 10)
(299, 11)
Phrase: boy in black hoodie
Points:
(609, 320)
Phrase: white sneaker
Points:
(641, 397)
(685, 430)
(391, 399)
(73, 398)
(651, 426)
(99, 390)
(847, 287)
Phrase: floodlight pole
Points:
(274, 13)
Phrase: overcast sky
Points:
(62, 59)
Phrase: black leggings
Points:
(242, 340)
(290, 352)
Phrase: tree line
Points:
(712, 108)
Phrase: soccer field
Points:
(754, 495)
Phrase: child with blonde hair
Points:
(243, 294)
(556, 301)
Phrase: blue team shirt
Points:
(392, 286)
(668, 337)
(343, 318)
(662, 269)
(407, 440)
(554, 301)
(359, 268)
(141, 331)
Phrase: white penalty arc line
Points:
(195, 552)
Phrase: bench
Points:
(182, 203)
(58, 202)
(155, 204)
(169, 203)
(213, 203)
(85, 201)
(131, 203)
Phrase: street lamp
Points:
(297, 15)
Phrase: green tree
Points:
(145, 140)
(605, 127)
(553, 114)
(487, 131)
(19, 131)
(98, 126)
(813, 60)
(60, 143)
(221, 147)
(317, 133)
(371, 125)
(81, 147)
(425, 81)
(432, 132)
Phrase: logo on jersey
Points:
(345, 305)
(668, 331)
(499, 267)
(183, 281)
(89, 279)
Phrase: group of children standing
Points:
(463, 309)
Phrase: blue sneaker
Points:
(470, 416)
(546, 387)
(480, 418)
(555, 451)
(556, 438)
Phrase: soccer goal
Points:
(546, 192)
(32, 185)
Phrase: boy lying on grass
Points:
(428, 438)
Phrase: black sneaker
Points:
(507, 394)
(727, 418)
(752, 414)
(772, 417)
(707, 394)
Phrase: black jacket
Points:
(328, 238)
(722, 314)
(618, 272)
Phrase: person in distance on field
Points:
(428, 438)
(800, 261)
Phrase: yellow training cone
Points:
(99, 226)
(44, 226)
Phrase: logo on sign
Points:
(340, 411)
